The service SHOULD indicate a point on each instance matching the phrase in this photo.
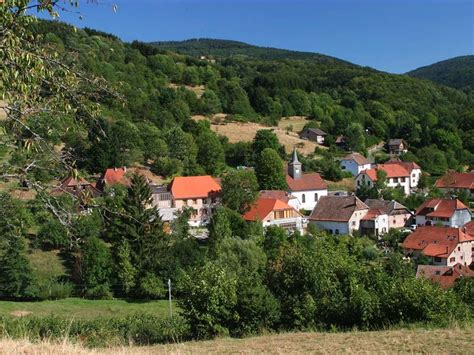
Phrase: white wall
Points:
(310, 198)
(331, 227)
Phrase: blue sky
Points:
(390, 35)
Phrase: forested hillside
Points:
(456, 72)
(226, 48)
(437, 122)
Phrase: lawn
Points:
(86, 309)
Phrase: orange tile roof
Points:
(445, 276)
(392, 170)
(311, 181)
(373, 214)
(188, 187)
(264, 206)
(469, 228)
(115, 176)
(442, 207)
(436, 241)
(456, 180)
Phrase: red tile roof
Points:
(264, 206)
(469, 228)
(311, 181)
(278, 194)
(358, 158)
(337, 208)
(115, 176)
(436, 241)
(445, 276)
(188, 187)
(437, 207)
(393, 168)
(456, 180)
(373, 214)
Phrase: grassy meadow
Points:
(79, 308)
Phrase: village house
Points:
(397, 146)
(445, 276)
(403, 174)
(112, 177)
(339, 214)
(446, 212)
(375, 222)
(200, 193)
(307, 188)
(283, 196)
(444, 246)
(456, 182)
(355, 163)
(399, 216)
(313, 134)
(81, 189)
(275, 212)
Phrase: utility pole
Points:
(169, 294)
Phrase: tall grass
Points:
(137, 329)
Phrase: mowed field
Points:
(446, 341)
(79, 308)
(239, 131)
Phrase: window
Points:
(403, 179)
(358, 182)
(336, 232)
(459, 248)
(368, 183)
(413, 175)
(452, 260)
(194, 201)
(315, 197)
(353, 223)
(438, 260)
(303, 198)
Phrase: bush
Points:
(53, 290)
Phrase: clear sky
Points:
(390, 35)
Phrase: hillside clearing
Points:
(239, 131)
(452, 341)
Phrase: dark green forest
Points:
(456, 72)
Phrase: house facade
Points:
(113, 176)
(202, 194)
(355, 163)
(275, 212)
(375, 222)
(307, 188)
(313, 134)
(446, 212)
(399, 216)
(339, 214)
(445, 276)
(444, 246)
(397, 146)
(456, 182)
(403, 174)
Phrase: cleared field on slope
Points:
(238, 131)
(452, 341)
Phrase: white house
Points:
(375, 222)
(355, 163)
(275, 212)
(447, 212)
(339, 214)
(404, 174)
(307, 188)
(443, 245)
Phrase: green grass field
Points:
(86, 309)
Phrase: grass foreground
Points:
(79, 308)
(452, 341)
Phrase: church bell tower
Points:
(295, 167)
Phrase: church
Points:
(307, 188)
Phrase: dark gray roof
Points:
(336, 208)
(317, 131)
(384, 205)
(396, 141)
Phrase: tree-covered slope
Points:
(456, 72)
(436, 121)
(228, 48)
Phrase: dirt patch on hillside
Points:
(238, 131)
(198, 89)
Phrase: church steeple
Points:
(295, 167)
